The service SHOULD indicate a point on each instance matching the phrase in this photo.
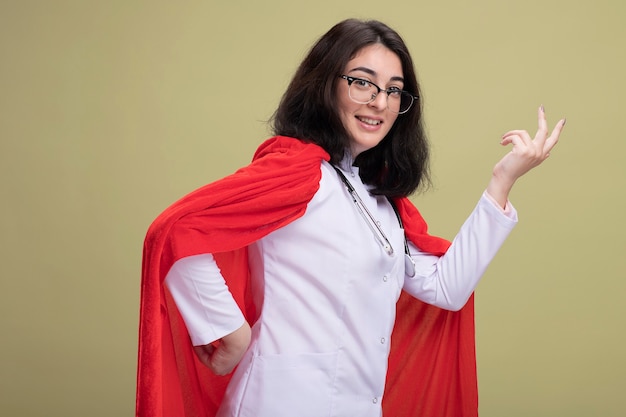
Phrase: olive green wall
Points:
(109, 111)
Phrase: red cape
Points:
(432, 364)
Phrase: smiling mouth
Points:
(368, 121)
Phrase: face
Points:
(367, 124)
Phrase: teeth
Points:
(369, 121)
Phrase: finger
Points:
(523, 135)
(204, 353)
(515, 140)
(542, 129)
(554, 136)
(223, 361)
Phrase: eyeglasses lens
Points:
(364, 92)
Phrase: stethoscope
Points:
(409, 263)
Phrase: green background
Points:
(109, 111)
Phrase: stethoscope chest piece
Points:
(409, 265)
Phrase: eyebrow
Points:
(373, 73)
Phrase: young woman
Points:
(309, 272)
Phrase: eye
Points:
(394, 92)
(363, 84)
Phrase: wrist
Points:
(499, 189)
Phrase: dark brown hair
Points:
(398, 165)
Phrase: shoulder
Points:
(284, 146)
(328, 184)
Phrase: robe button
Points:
(382, 340)
(374, 400)
(385, 278)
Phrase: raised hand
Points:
(222, 357)
(526, 154)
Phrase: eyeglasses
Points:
(363, 92)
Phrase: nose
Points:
(380, 101)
